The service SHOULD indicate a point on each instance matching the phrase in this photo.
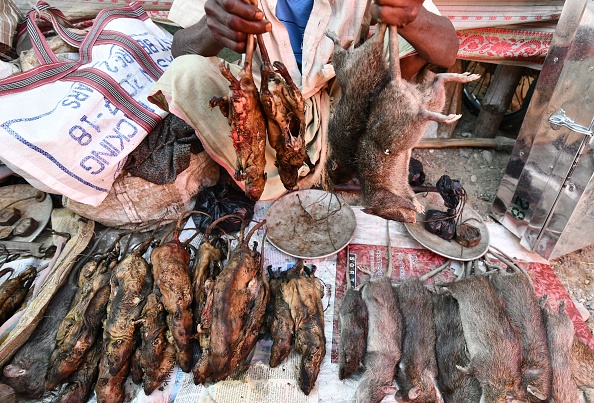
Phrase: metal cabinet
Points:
(546, 195)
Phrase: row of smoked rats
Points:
(122, 314)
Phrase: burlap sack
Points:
(133, 201)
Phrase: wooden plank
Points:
(497, 143)
(496, 100)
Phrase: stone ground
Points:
(480, 172)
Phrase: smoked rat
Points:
(384, 336)
(450, 349)
(417, 372)
(560, 335)
(26, 373)
(361, 73)
(493, 344)
(397, 119)
(522, 308)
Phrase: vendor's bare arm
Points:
(225, 25)
(433, 36)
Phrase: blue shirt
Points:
(294, 15)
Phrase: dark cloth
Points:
(164, 152)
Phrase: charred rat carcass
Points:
(283, 104)
(14, 291)
(244, 112)
(171, 272)
(299, 321)
(237, 305)
(130, 285)
(397, 119)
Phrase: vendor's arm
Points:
(226, 24)
(433, 36)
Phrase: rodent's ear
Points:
(414, 393)
(533, 390)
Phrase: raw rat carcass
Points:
(450, 351)
(384, 340)
(384, 335)
(244, 112)
(523, 310)
(353, 319)
(560, 336)
(582, 363)
(397, 120)
(417, 371)
(283, 104)
(361, 73)
(239, 298)
(493, 344)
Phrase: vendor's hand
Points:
(396, 12)
(230, 21)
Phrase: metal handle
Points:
(559, 118)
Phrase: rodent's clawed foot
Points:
(419, 208)
(451, 118)
(470, 77)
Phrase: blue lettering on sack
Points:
(80, 135)
(95, 126)
(147, 45)
(118, 57)
(131, 85)
(78, 94)
(164, 63)
(110, 107)
(94, 162)
(7, 126)
(164, 44)
(124, 57)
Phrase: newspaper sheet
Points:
(367, 252)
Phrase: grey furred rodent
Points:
(522, 308)
(397, 120)
(450, 351)
(582, 364)
(384, 339)
(560, 335)
(353, 333)
(493, 344)
(361, 73)
(416, 375)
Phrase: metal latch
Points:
(559, 118)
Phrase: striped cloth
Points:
(469, 14)
(9, 18)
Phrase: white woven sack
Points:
(70, 125)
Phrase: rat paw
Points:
(451, 118)
(419, 208)
(470, 77)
